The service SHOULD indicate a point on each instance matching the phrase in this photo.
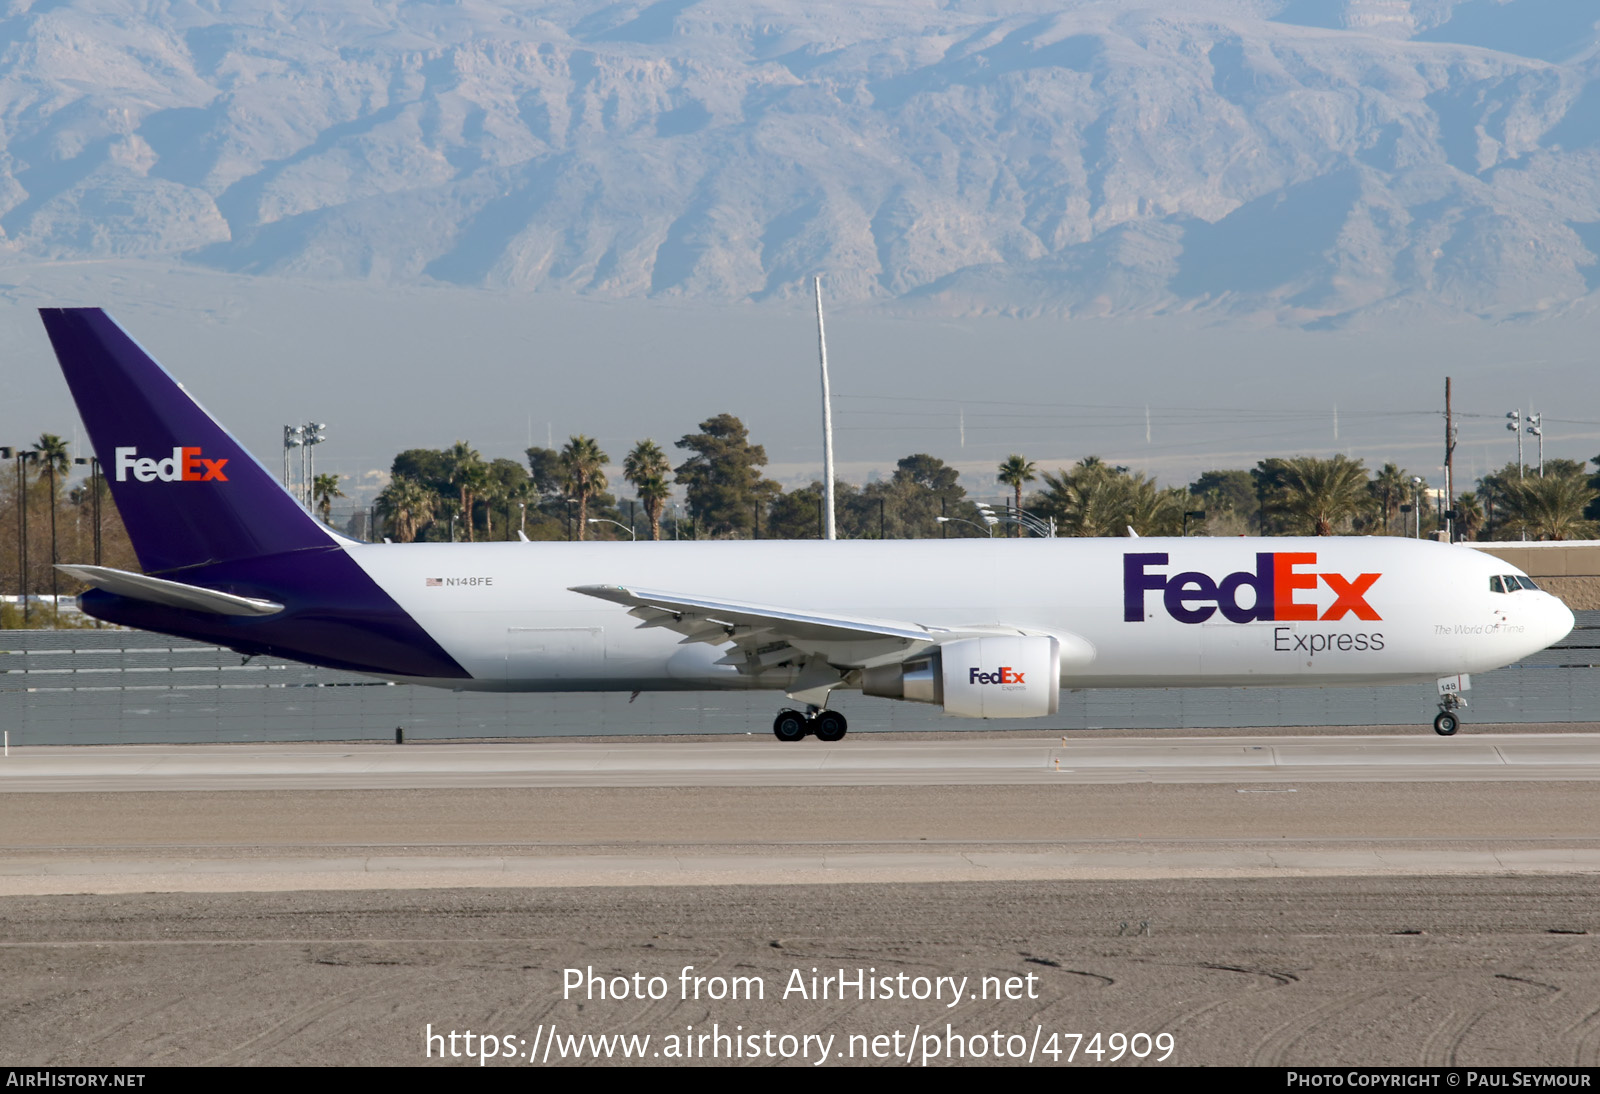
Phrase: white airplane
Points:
(984, 628)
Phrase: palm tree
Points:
(324, 488)
(53, 460)
(405, 505)
(1319, 495)
(468, 473)
(1390, 487)
(647, 468)
(1549, 508)
(1469, 516)
(1152, 511)
(1015, 472)
(582, 465)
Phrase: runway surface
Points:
(761, 761)
(1268, 899)
(553, 814)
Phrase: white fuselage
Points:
(505, 611)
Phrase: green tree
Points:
(469, 475)
(1229, 500)
(324, 488)
(1321, 495)
(1551, 507)
(1094, 499)
(54, 461)
(1390, 488)
(1469, 516)
(1016, 472)
(647, 468)
(909, 503)
(1496, 489)
(797, 514)
(583, 475)
(429, 466)
(506, 489)
(544, 469)
(723, 478)
(406, 505)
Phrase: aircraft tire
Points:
(1446, 724)
(790, 725)
(831, 726)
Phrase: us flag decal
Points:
(432, 581)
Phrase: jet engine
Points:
(994, 676)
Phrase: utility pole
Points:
(1449, 467)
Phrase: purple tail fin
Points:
(188, 492)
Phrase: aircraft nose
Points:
(1556, 620)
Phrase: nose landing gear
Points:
(1447, 721)
(828, 725)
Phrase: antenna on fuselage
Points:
(829, 530)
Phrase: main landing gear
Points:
(1447, 721)
(792, 725)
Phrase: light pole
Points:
(313, 435)
(1416, 503)
(968, 523)
(22, 457)
(55, 589)
(293, 437)
(1026, 521)
(1537, 431)
(1515, 425)
(1197, 514)
(606, 520)
(7, 453)
(94, 503)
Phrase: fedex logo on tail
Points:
(1279, 590)
(184, 465)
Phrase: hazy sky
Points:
(390, 369)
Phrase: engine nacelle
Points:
(998, 676)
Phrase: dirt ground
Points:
(1336, 971)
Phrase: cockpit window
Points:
(1510, 583)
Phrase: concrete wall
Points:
(1570, 570)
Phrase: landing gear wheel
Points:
(831, 726)
(790, 725)
(1446, 724)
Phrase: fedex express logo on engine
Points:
(1006, 675)
(1278, 590)
(184, 465)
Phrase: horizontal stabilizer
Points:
(174, 594)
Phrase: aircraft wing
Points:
(766, 636)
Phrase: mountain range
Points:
(1311, 162)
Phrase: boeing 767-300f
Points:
(984, 628)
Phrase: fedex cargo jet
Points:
(984, 628)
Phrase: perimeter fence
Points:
(130, 687)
